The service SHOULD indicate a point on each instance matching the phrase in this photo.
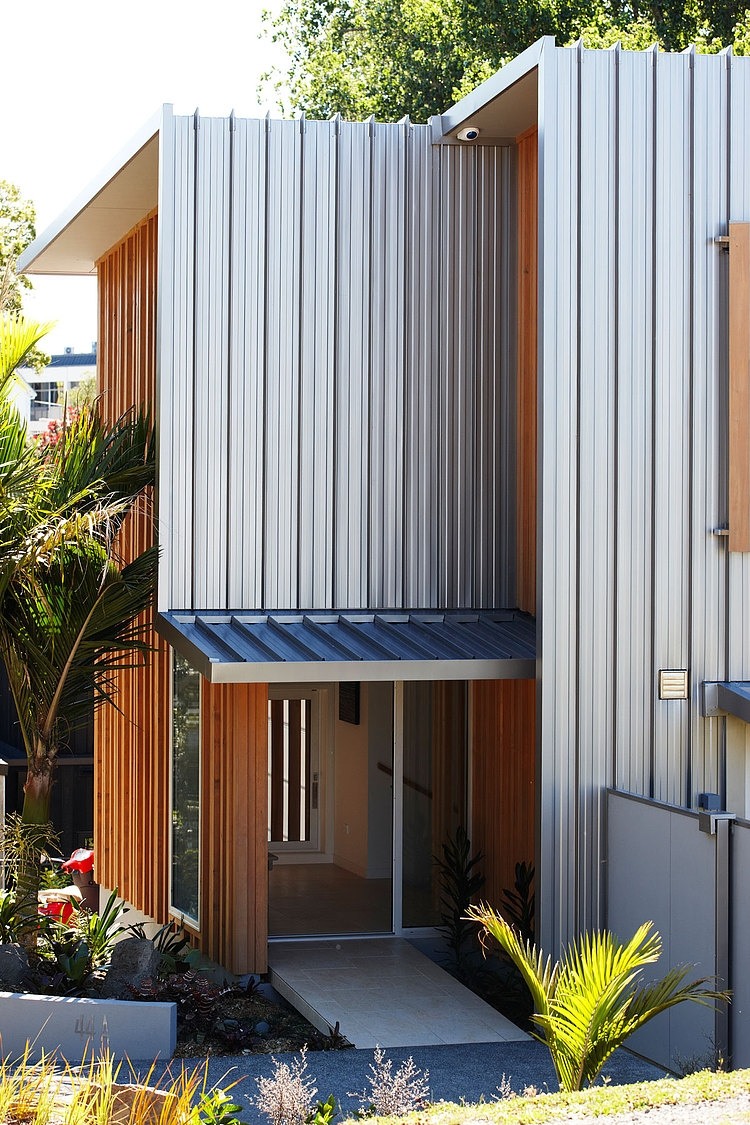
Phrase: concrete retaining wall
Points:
(77, 1027)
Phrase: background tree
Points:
(69, 608)
(17, 231)
(417, 57)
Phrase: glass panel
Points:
(185, 787)
(292, 776)
(434, 792)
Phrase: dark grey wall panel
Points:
(663, 869)
(343, 335)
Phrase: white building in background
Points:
(51, 388)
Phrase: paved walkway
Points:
(382, 992)
(467, 1072)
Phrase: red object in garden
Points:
(82, 860)
(59, 910)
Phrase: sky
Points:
(82, 78)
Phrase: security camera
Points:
(470, 133)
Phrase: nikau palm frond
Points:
(587, 1004)
(71, 614)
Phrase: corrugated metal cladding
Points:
(644, 159)
(338, 325)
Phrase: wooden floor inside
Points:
(322, 898)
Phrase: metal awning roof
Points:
(731, 697)
(328, 646)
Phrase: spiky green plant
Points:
(591, 1000)
(70, 609)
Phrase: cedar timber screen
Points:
(132, 744)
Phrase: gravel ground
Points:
(467, 1072)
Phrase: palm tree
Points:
(588, 1003)
(70, 611)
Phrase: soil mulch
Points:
(235, 1021)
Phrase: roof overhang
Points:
(728, 697)
(503, 107)
(327, 647)
(123, 194)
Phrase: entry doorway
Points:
(372, 779)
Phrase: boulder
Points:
(134, 960)
(14, 968)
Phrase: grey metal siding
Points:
(643, 160)
(341, 400)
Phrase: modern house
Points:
(453, 502)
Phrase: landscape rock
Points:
(134, 960)
(14, 968)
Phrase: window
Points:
(184, 899)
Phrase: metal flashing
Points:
(294, 647)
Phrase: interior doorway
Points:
(366, 782)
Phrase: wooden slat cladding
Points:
(528, 209)
(131, 817)
(503, 772)
(234, 825)
(739, 386)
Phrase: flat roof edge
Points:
(128, 153)
(493, 86)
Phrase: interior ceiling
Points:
(104, 219)
(508, 115)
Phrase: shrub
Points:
(588, 1003)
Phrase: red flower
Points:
(81, 860)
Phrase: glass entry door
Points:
(434, 786)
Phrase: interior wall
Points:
(503, 739)
(351, 773)
(380, 790)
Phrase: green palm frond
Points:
(18, 336)
(587, 1004)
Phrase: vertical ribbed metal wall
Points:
(643, 161)
(338, 367)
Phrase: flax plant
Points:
(590, 1001)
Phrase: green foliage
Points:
(324, 1112)
(460, 881)
(217, 1108)
(69, 611)
(17, 231)
(100, 931)
(588, 1003)
(519, 903)
(9, 919)
(172, 943)
(417, 57)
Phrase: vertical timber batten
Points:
(234, 825)
(131, 817)
(503, 800)
(739, 386)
